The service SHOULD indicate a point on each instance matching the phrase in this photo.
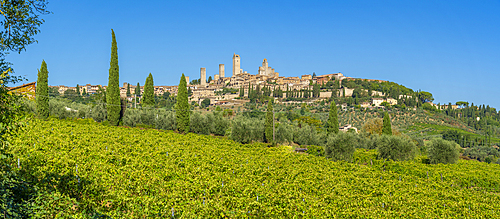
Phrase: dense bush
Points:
(218, 124)
(199, 124)
(341, 146)
(395, 148)
(443, 151)
(283, 133)
(246, 130)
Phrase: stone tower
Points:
(236, 64)
(203, 76)
(221, 70)
(187, 79)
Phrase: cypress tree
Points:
(42, 92)
(333, 122)
(78, 89)
(138, 89)
(113, 90)
(268, 133)
(128, 90)
(386, 128)
(182, 107)
(242, 91)
(149, 92)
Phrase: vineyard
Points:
(125, 172)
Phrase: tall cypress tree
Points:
(268, 133)
(386, 128)
(128, 90)
(42, 92)
(138, 89)
(113, 90)
(182, 107)
(333, 121)
(77, 89)
(149, 92)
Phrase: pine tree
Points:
(386, 128)
(182, 107)
(42, 92)
(149, 92)
(128, 90)
(113, 90)
(138, 89)
(268, 133)
(333, 122)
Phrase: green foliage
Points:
(42, 92)
(395, 148)
(269, 123)
(341, 146)
(247, 130)
(284, 133)
(333, 121)
(123, 170)
(138, 89)
(205, 103)
(386, 128)
(443, 151)
(149, 92)
(199, 124)
(182, 107)
(113, 90)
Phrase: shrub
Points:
(283, 133)
(246, 130)
(442, 151)
(341, 146)
(218, 124)
(306, 135)
(199, 124)
(395, 148)
(165, 120)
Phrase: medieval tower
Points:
(203, 76)
(236, 64)
(221, 70)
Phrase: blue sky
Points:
(449, 48)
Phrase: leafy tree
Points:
(149, 92)
(53, 92)
(113, 103)
(333, 122)
(395, 148)
(20, 24)
(189, 92)
(386, 128)
(209, 79)
(442, 151)
(269, 122)
(205, 102)
(138, 89)
(425, 96)
(341, 146)
(182, 107)
(128, 90)
(42, 92)
(166, 95)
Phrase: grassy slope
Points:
(126, 172)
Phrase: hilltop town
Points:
(225, 89)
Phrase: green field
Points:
(137, 173)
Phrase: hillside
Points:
(134, 173)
